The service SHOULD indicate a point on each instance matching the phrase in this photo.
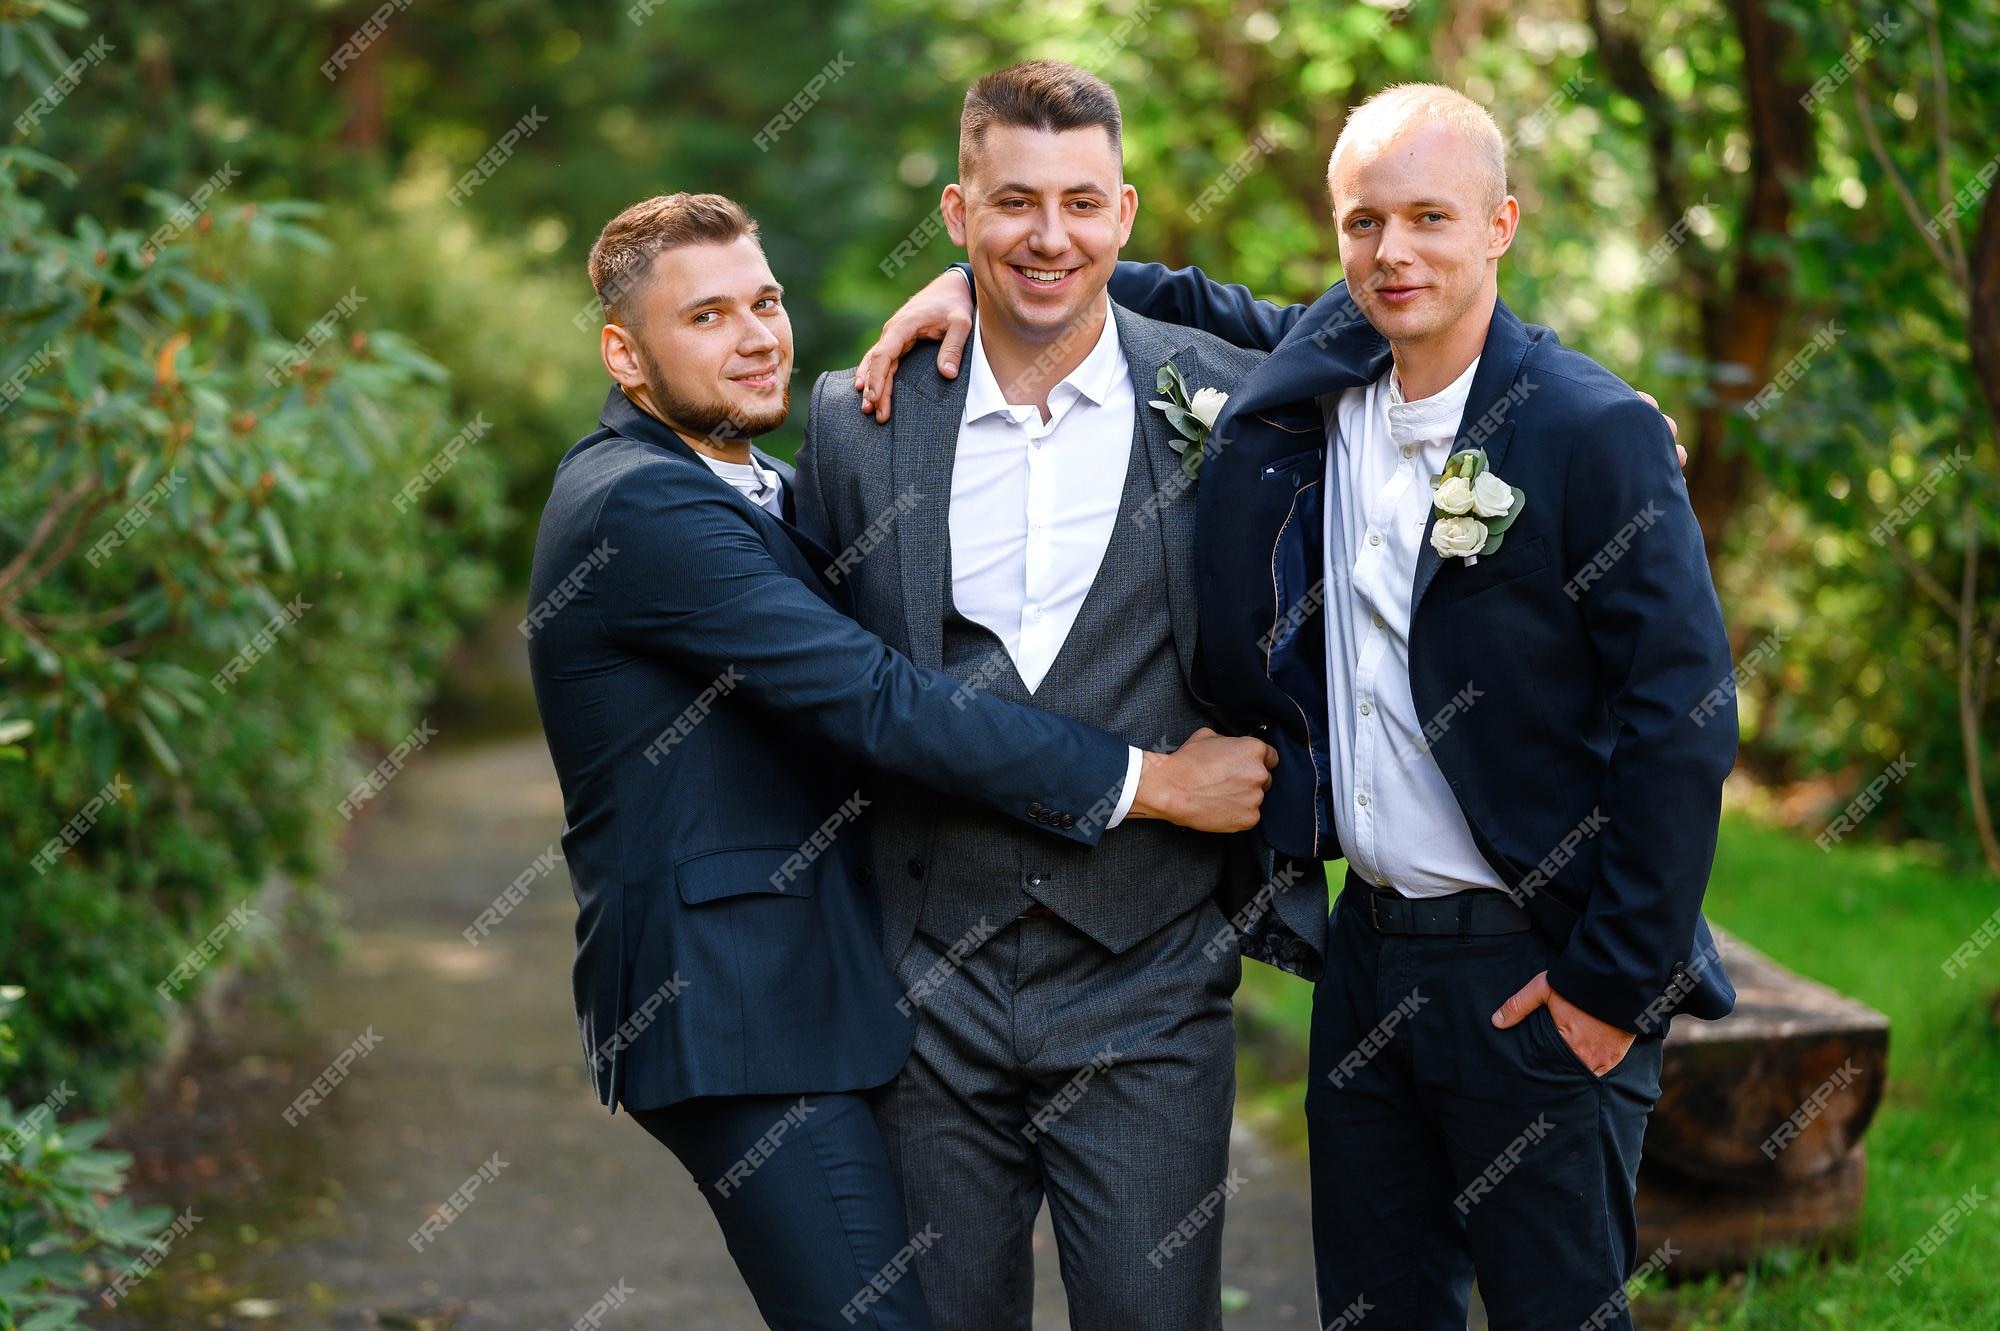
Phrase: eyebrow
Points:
(1417, 205)
(769, 288)
(1016, 187)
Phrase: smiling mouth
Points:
(1043, 277)
(758, 378)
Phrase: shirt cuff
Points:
(1135, 760)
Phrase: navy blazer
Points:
(1563, 675)
(712, 710)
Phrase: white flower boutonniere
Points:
(1474, 507)
(1193, 416)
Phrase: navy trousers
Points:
(808, 1205)
(1444, 1148)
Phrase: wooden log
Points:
(1779, 1091)
(1705, 1229)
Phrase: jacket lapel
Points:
(1173, 497)
(1488, 423)
(923, 435)
(1331, 348)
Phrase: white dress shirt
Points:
(757, 482)
(1399, 822)
(1034, 503)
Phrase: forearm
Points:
(1188, 297)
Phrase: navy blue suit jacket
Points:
(712, 710)
(1585, 764)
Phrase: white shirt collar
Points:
(1434, 417)
(756, 482)
(1093, 378)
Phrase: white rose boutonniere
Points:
(1491, 496)
(1474, 507)
(1460, 536)
(1193, 416)
(1454, 496)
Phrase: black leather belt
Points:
(1470, 914)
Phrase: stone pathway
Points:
(475, 1055)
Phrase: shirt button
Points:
(1366, 709)
(1374, 538)
(1380, 623)
(1409, 452)
(1362, 799)
(1038, 616)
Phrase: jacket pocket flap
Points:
(744, 871)
(1511, 562)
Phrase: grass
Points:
(1877, 924)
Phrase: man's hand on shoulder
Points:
(1672, 427)
(943, 311)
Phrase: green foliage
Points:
(60, 1215)
(1892, 419)
(189, 481)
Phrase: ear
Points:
(618, 346)
(952, 207)
(1128, 209)
(1506, 220)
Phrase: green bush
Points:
(185, 484)
(56, 1235)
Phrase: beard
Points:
(710, 418)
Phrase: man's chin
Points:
(1046, 323)
(1401, 325)
(761, 415)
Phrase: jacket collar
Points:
(627, 419)
(1490, 409)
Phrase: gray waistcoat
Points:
(1117, 670)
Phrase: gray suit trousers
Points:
(1047, 1066)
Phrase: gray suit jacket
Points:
(872, 491)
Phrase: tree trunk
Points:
(1740, 327)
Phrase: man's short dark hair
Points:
(622, 258)
(1037, 94)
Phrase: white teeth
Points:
(1045, 274)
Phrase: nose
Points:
(1394, 249)
(758, 338)
(1051, 233)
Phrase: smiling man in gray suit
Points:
(1032, 536)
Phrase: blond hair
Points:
(1402, 107)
